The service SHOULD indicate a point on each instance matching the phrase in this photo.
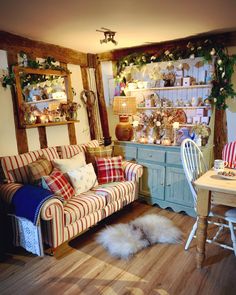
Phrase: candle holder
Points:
(175, 128)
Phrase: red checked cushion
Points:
(109, 169)
(58, 184)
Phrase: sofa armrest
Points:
(7, 191)
(52, 214)
(132, 171)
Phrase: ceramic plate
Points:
(226, 176)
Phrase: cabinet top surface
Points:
(155, 146)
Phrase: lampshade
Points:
(124, 105)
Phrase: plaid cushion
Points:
(109, 169)
(39, 168)
(58, 184)
(98, 152)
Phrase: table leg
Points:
(203, 207)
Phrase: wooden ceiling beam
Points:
(228, 39)
(14, 43)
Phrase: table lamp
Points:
(124, 106)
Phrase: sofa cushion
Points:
(82, 205)
(57, 183)
(15, 168)
(68, 151)
(115, 191)
(39, 168)
(83, 179)
(109, 169)
(73, 163)
(98, 198)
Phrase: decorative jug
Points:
(182, 134)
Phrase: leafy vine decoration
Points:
(25, 79)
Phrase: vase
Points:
(73, 116)
(182, 134)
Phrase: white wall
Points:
(56, 135)
(231, 111)
(107, 75)
(7, 126)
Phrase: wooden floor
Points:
(84, 267)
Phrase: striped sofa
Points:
(62, 222)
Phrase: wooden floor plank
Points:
(83, 267)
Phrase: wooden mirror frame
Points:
(19, 95)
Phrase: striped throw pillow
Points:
(109, 170)
(58, 184)
(39, 168)
(229, 154)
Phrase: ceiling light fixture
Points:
(109, 36)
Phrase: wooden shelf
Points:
(44, 101)
(40, 71)
(185, 108)
(50, 124)
(172, 88)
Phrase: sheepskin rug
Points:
(124, 240)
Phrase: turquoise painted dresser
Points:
(163, 181)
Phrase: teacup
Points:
(219, 165)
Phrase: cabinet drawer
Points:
(151, 155)
(128, 152)
(173, 158)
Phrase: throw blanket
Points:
(27, 202)
(25, 207)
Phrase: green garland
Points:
(26, 79)
(224, 65)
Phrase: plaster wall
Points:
(231, 111)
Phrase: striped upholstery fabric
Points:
(229, 154)
(132, 171)
(98, 198)
(15, 167)
(52, 214)
(7, 191)
(68, 151)
(82, 205)
(116, 191)
(82, 224)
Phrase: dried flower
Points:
(201, 129)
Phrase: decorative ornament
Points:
(199, 64)
(212, 52)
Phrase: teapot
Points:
(182, 134)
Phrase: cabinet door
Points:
(177, 189)
(152, 182)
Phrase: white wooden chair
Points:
(194, 166)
